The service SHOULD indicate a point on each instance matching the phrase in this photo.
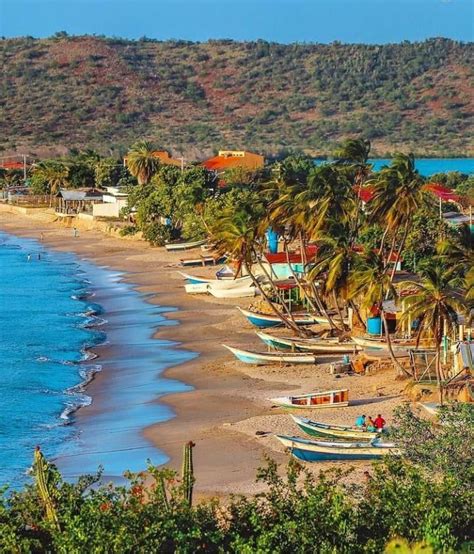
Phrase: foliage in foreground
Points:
(402, 502)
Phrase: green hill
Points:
(192, 98)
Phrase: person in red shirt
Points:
(379, 422)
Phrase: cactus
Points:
(188, 472)
(42, 473)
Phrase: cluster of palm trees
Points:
(322, 205)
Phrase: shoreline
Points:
(227, 413)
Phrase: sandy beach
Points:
(228, 414)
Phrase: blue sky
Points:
(372, 21)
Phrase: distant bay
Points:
(430, 166)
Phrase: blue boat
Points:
(263, 321)
(320, 451)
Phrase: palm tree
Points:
(398, 194)
(458, 248)
(352, 156)
(353, 151)
(436, 300)
(237, 234)
(336, 259)
(370, 283)
(290, 218)
(142, 162)
(54, 174)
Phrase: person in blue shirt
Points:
(360, 421)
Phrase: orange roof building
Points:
(229, 159)
(166, 159)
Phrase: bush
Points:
(156, 234)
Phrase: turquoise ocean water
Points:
(53, 309)
(429, 166)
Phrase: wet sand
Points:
(229, 404)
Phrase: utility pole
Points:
(24, 167)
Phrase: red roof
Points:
(364, 193)
(295, 257)
(221, 163)
(442, 192)
(11, 165)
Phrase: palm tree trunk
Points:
(384, 237)
(399, 252)
(314, 290)
(341, 317)
(396, 363)
(438, 372)
(288, 323)
(390, 254)
(297, 279)
(357, 312)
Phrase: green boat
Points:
(317, 429)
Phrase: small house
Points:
(112, 202)
(77, 201)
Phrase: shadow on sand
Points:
(374, 400)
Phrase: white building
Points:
(112, 202)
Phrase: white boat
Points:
(325, 399)
(263, 358)
(178, 246)
(315, 451)
(218, 284)
(325, 321)
(375, 343)
(237, 292)
(327, 346)
(196, 288)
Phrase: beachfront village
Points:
(362, 277)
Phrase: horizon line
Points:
(64, 34)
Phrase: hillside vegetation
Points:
(192, 98)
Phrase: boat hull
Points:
(316, 429)
(381, 345)
(196, 288)
(314, 451)
(237, 292)
(217, 284)
(263, 321)
(324, 399)
(263, 358)
(299, 345)
(178, 247)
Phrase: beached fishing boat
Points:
(196, 288)
(262, 358)
(325, 321)
(325, 399)
(376, 343)
(318, 429)
(235, 292)
(326, 346)
(177, 246)
(316, 451)
(218, 283)
(267, 320)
